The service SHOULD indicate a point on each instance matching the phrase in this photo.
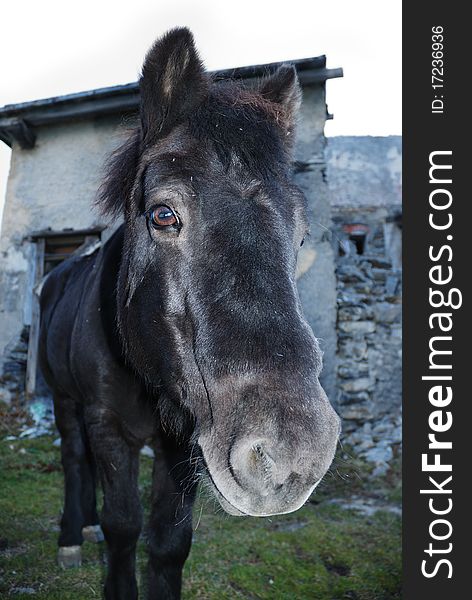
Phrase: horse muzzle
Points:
(263, 474)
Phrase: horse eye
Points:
(163, 216)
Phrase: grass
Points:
(323, 551)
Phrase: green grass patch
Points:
(322, 551)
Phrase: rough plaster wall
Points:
(317, 284)
(364, 171)
(54, 184)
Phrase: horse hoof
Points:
(93, 533)
(69, 556)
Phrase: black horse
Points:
(185, 330)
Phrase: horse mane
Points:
(119, 174)
(233, 93)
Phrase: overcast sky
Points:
(51, 47)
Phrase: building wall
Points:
(364, 177)
(54, 184)
(364, 171)
(50, 186)
(316, 270)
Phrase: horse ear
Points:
(284, 88)
(172, 84)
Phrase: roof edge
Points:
(18, 121)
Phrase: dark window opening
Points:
(58, 248)
(359, 242)
(356, 239)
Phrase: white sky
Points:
(52, 47)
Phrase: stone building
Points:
(364, 180)
(349, 267)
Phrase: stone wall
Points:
(369, 333)
(364, 177)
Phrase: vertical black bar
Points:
(450, 249)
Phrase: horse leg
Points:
(91, 530)
(121, 519)
(73, 454)
(170, 527)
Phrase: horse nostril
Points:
(260, 459)
(258, 467)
